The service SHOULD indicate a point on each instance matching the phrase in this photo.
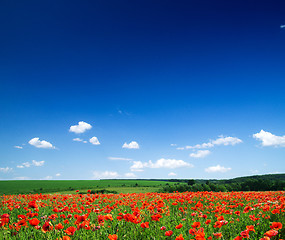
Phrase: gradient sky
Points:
(150, 80)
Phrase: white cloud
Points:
(254, 171)
(227, 141)
(161, 163)
(6, 169)
(219, 141)
(22, 178)
(269, 139)
(203, 145)
(200, 154)
(104, 175)
(38, 163)
(282, 26)
(40, 144)
(19, 147)
(80, 128)
(130, 175)
(180, 148)
(58, 175)
(217, 168)
(34, 163)
(131, 145)
(94, 141)
(172, 174)
(78, 140)
(48, 178)
(138, 166)
(169, 163)
(120, 158)
(173, 144)
(26, 164)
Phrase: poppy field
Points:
(176, 216)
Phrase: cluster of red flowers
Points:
(179, 216)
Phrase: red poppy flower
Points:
(218, 235)
(276, 225)
(70, 231)
(145, 225)
(179, 226)
(196, 225)
(59, 226)
(34, 221)
(271, 233)
(208, 221)
(168, 233)
(180, 237)
(113, 237)
(47, 227)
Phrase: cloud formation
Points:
(94, 141)
(33, 163)
(6, 169)
(138, 166)
(200, 154)
(22, 178)
(130, 175)
(104, 175)
(19, 147)
(131, 145)
(120, 158)
(48, 178)
(78, 140)
(80, 128)
(36, 142)
(217, 168)
(172, 174)
(221, 140)
(268, 139)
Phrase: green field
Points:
(69, 186)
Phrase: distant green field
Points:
(69, 186)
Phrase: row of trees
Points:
(248, 185)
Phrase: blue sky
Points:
(184, 89)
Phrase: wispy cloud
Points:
(48, 178)
(81, 127)
(200, 154)
(268, 139)
(6, 169)
(217, 168)
(104, 175)
(36, 142)
(22, 178)
(79, 140)
(221, 140)
(19, 147)
(139, 166)
(33, 163)
(120, 158)
(130, 175)
(172, 174)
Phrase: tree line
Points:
(247, 185)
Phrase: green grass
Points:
(69, 186)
